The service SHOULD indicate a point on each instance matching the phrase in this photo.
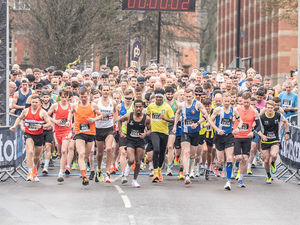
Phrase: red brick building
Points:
(272, 44)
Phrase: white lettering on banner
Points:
(291, 150)
(5, 154)
(1, 158)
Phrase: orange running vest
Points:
(82, 126)
(248, 118)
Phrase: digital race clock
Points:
(159, 5)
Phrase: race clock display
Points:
(159, 5)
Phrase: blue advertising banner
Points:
(136, 53)
(12, 150)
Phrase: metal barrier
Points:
(290, 154)
(12, 152)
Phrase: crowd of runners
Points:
(155, 118)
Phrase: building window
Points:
(20, 5)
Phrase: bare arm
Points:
(19, 119)
(45, 117)
(15, 100)
(53, 109)
(120, 121)
(211, 121)
(177, 116)
(148, 128)
(99, 116)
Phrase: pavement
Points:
(170, 202)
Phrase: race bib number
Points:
(156, 116)
(135, 133)
(63, 122)
(105, 118)
(188, 122)
(271, 135)
(32, 127)
(225, 122)
(287, 104)
(245, 127)
(84, 127)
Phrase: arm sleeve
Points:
(257, 125)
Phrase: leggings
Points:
(159, 142)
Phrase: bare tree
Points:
(282, 9)
(60, 30)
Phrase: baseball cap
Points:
(24, 80)
(14, 72)
(220, 79)
(86, 72)
(104, 75)
(95, 75)
(141, 80)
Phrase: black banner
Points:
(3, 63)
(290, 152)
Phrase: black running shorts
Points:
(86, 137)
(242, 146)
(103, 133)
(38, 140)
(224, 141)
(192, 138)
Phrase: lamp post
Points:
(238, 33)
(158, 37)
(298, 75)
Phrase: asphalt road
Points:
(170, 202)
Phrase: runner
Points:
(170, 145)
(190, 128)
(62, 132)
(21, 96)
(270, 135)
(207, 156)
(125, 107)
(289, 101)
(137, 121)
(85, 129)
(36, 119)
(48, 133)
(224, 139)
(161, 114)
(105, 133)
(244, 137)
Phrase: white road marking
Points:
(116, 178)
(131, 220)
(119, 189)
(126, 201)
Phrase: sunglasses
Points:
(128, 98)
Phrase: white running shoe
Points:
(36, 179)
(227, 186)
(169, 172)
(143, 166)
(135, 184)
(192, 174)
(127, 170)
(124, 180)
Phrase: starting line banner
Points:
(12, 151)
(290, 152)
